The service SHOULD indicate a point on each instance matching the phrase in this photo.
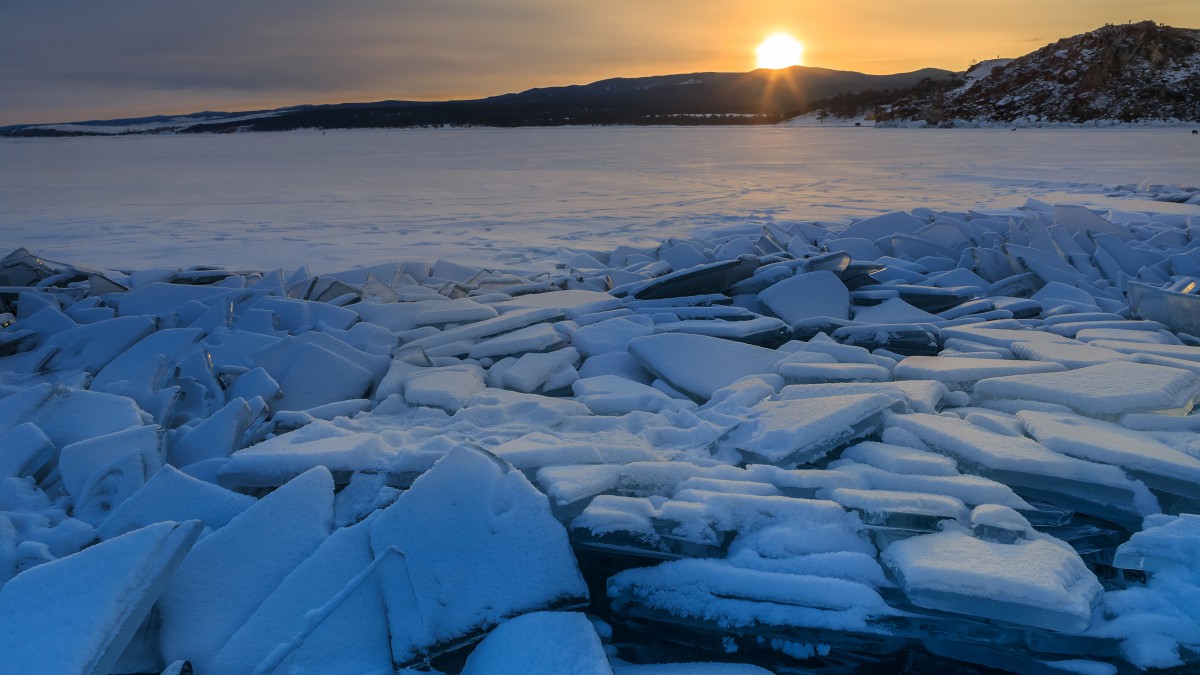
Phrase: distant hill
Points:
(757, 97)
(1138, 72)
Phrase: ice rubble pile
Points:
(926, 435)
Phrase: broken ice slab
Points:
(999, 524)
(759, 330)
(172, 495)
(462, 310)
(220, 434)
(541, 642)
(510, 321)
(571, 487)
(90, 347)
(900, 460)
(77, 614)
(1034, 471)
(499, 552)
(1080, 219)
(1104, 391)
(965, 373)
(707, 278)
(806, 329)
(610, 445)
(537, 338)
(900, 338)
(297, 316)
(714, 591)
(342, 451)
(112, 483)
(1071, 328)
(1180, 311)
(799, 431)
(447, 388)
(804, 371)
(935, 299)
(571, 302)
(313, 369)
(539, 372)
(643, 479)
(1166, 542)
(1090, 335)
(1048, 266)
(1159, 466)
(67, 415)
(249, 557)
(282, 616)
(162, 298)
(626, 526)
(27, 451)
(614, 395)
(858, 248)
(921, 395)
(23, 268)
(1174, 352)
(143, 368)
(675, 357)
(970, 490)
(897, 222)
(900, 510)
(1039, 582)
(893, 310)
(807, 295)
(610, 335)
(999, 334)
(742, 513)
(1077, 355)
(79, 460)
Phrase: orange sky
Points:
(79, 59)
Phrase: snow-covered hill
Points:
(1138, 72)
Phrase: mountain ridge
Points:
(758, 96)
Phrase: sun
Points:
(779, 50)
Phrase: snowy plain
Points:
(606, 400)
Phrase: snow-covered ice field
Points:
(501, 196)
(601, 401)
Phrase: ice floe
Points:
(925, 437)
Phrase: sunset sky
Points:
(65, 60)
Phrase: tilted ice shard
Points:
(75, 615)
(248, 557)
(283, 615)
(173, 495)
(498, 552)
(673, 357)
(806, 295)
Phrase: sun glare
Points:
(779, 51)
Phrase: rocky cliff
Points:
(1136, 72)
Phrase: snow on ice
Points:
(796, 446)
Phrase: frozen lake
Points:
(508, 197)
(990, 455)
